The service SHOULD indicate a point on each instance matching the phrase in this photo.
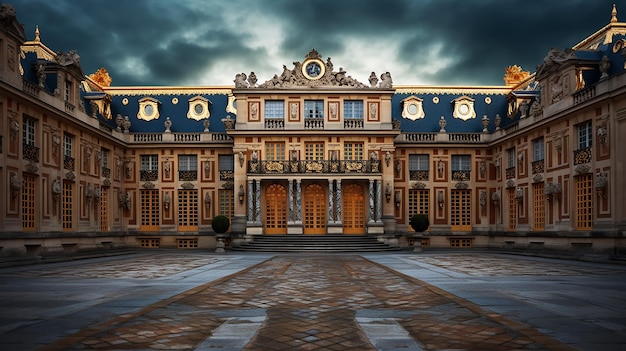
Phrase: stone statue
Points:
(373, 80)
(240, 81)
(252, 79)
(442, 125)
(168, 125)
(118, 121)
(41, 74)
(605, 64)
(386, 82)
(126, 124)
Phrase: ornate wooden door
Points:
(353, 209)
(276, 209)
(461, 210)
(187, 210)
(149, 210)
(315, 209)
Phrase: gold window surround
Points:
(198, 108)
(148, 109)
(464, 108)
(412, 108)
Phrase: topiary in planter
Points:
(220, 224)
(419, 222)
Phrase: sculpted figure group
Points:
(295, 78)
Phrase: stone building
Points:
(312, 150)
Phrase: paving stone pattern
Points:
(139, 268)
(481, 265)
(327, 302)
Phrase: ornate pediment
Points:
(464, 108)
(312, 72)
(148, 109)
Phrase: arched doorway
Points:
(353, 209)
(276, 209)
(315, 209)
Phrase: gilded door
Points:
(353, 209)
(149, 210)
(314, 209)
(461, 210)
(187, 210)
(276, 209)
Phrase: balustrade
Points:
(314, 166)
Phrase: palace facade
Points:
(529, 164)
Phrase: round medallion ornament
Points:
(313, 69)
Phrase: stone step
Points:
(317, 243)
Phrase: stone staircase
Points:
(315, 243)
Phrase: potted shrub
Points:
(419, 223)
(220, 225)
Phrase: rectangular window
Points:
(187, 162)
(29, 132)
(105, 158)
(585, 134)
(314, 151)
(226, 167)
(313, 108)
(538, 149)
(510, 158)
(353, 109)
(68, 140)
(68, 90)
(418, 162)
(274, 109)
(353, 151)
(275, 151)
(461, 162)
(149, 162)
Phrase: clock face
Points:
(313, 69)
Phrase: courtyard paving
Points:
(192, 300)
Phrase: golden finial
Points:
(37, 33)
(614, 14)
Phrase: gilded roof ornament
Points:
(614, 14)
(514, 74)
(101, 77)
(37, 38)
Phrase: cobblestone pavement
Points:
(198, 301)
(312, 303)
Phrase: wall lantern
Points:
(388, 192)
(241, 194)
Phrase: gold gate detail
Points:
(314, 209)
(353, 209)
(276, 209)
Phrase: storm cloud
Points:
(205, 43)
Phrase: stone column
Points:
(291, 219)
(298, 201)
(257, 201)
(379, 201)
(331, 216)
(371, 197)
(250, 199)
(339, 202)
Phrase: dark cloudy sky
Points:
(206, 42)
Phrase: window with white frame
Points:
(585, 134)
(274, 109)
(149, 162)
(68, 141)
(313, 108)
(28, 134)
(461, 162)
(353, 109)
(187, 162)
(510, 158)
(538, 149)
(418, 162)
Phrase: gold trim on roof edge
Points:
(133, 91)
(486, 90)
